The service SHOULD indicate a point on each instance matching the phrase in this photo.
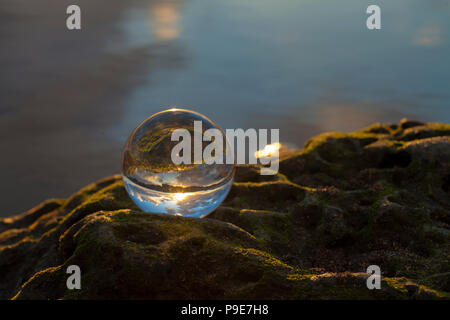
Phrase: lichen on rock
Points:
(379, 196)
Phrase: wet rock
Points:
(429, 149)
(406, 124)
(346, 201)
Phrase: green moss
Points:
(377, 128)
(51, 280)
(386, 191)
(300, 235)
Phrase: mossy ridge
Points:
(360, 178)
(36, 248)
(193, 262)
(428, 130)
(390, 209)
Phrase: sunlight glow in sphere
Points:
(156, 184)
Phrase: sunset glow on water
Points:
(70, 99)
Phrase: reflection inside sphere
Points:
(158, 185)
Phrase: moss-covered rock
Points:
(346, 201)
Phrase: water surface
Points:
(69, 99)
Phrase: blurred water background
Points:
(69, 99)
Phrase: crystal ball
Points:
(157, 183)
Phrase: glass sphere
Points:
(156, 184)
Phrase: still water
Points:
(69, 99)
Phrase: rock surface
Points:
(346, 201)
